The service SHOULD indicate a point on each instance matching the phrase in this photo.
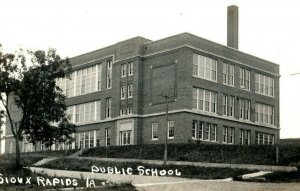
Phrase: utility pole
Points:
(167, 99)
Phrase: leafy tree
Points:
(41, 110)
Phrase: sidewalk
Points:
(200, 164)
(137, 180)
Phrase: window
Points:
(228, 105)
(86, 140)
(87, 112)
(264, 85)
(171, 130)
(125, 137)
(154, 131)
(228, 74)
(97, 138)
(264, 139)
(225, 134)
(264, 113)
(130, 91)
(231, 106)
(244, 79)
(70, 86)
(241, 136)
(225, 104)
(108, 108)
(204, 100)
(248, 137)
(244, 109)
(129, 110)
(231, 135)
(99, 77)
(91, 138)
(81, 81)
(207, 131)
(130, 68)
(107, 136)
(123, 92)
(123, 70)
(122, 112)
(194, 130)
(109, 74)
(98, 110)
(213, 132)
(70, 113)
(200, 130)
(204, 67)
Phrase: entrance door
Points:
(125, 138)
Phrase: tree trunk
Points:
(18, 164)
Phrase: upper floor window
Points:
(244, 79)
(264, 113)
(244, 108)
(130, 87)
(130, 68)
(82, 81)
(228, 74)
(122, 112)
(264, 85)
(129, 110)
(99, 77)
(108, 108)
(123, 92)
(204, 67)
(84, 113)
(123, 70)
(228, 105)
(109, 74)
(204, 100)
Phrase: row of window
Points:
(155, 129)
(264, 139)
(264, 113)
(264, 85)
(245, 137)
(129, 91)
(89, 79)
(91, 111)
(204, 131)
(84, 113)
(200, 131)
(208, 131)
(206, 68)
(126, 67)
(205, 100)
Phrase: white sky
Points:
(267, 29)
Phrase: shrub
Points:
(217, 153)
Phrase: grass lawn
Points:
(78, 164)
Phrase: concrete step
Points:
(44, 161)
(255, 176)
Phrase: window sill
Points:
(215, 81)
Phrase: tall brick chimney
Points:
(233, 26)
